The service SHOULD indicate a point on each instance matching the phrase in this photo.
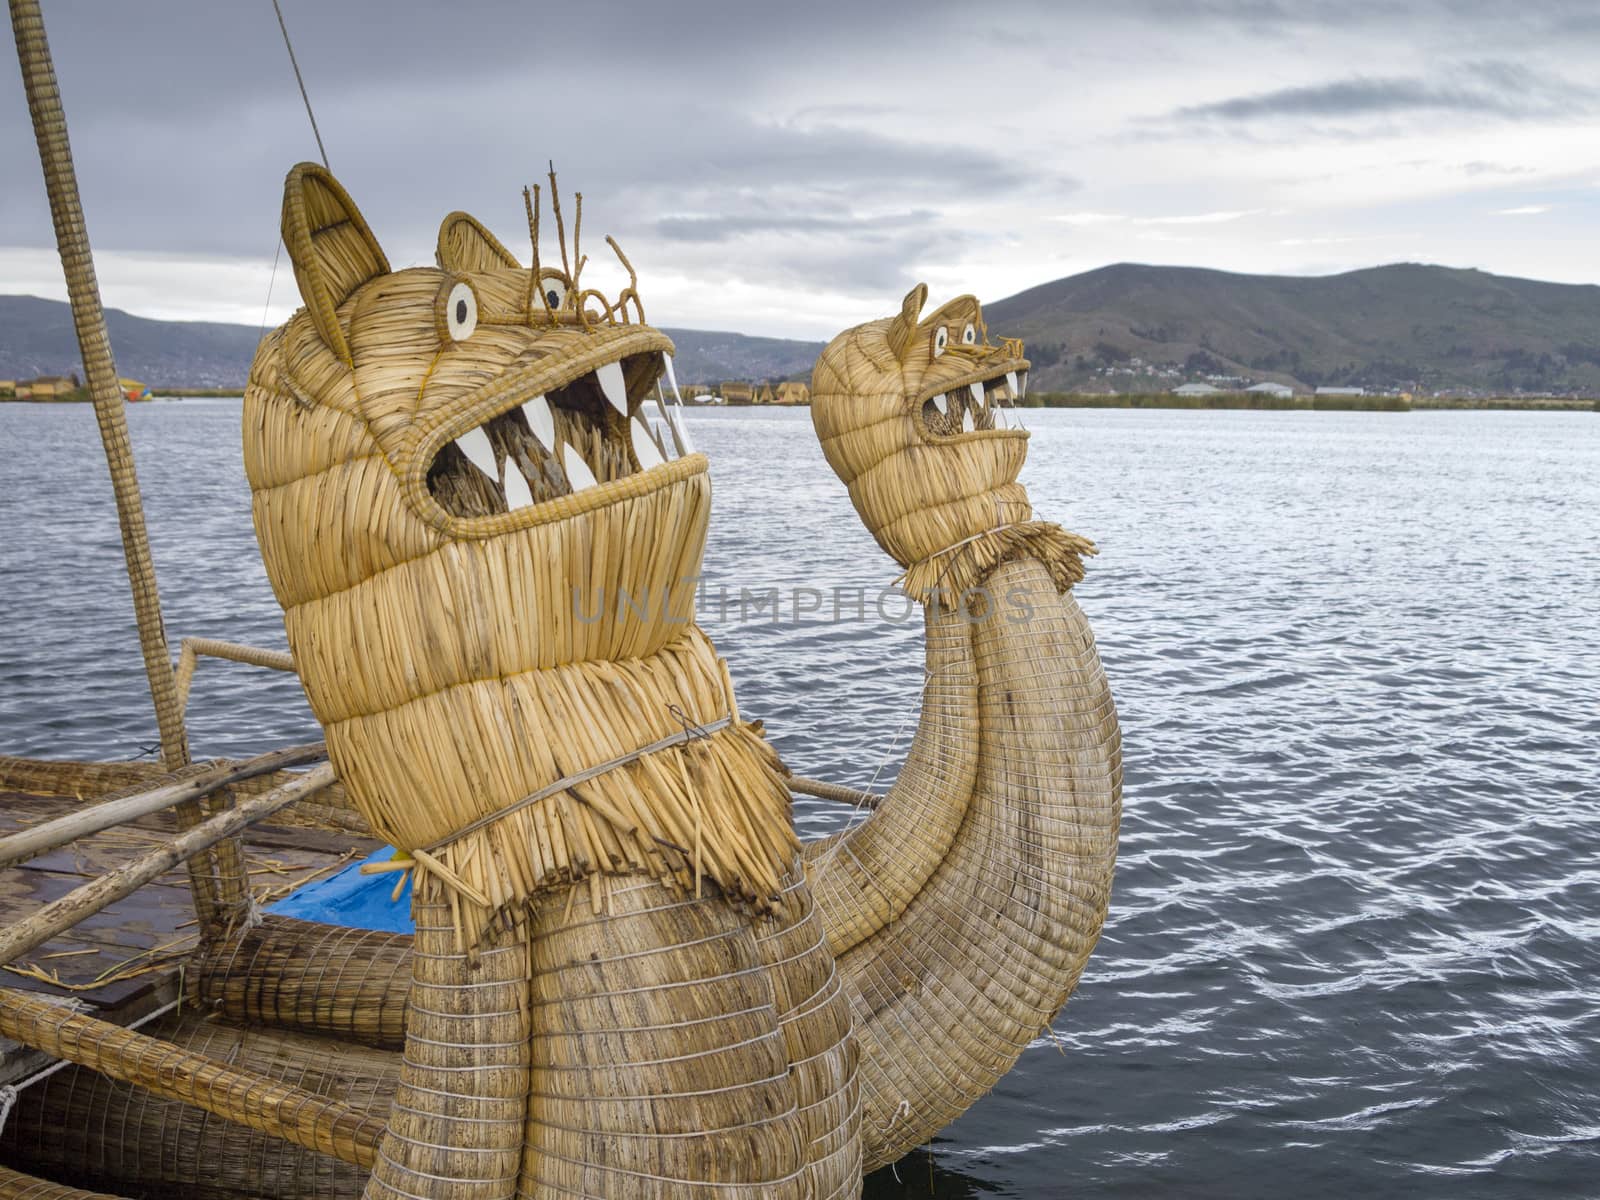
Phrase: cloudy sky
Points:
(791, 169)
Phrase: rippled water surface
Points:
(1354, 947)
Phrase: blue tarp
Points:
(350, 898)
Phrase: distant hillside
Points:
(1405, 326)
(36, 338)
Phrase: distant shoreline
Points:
(1249, 401)
(1237, 401)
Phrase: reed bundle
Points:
(1013, 906)
(350, 984)
(456, 1125)
(81, 1125)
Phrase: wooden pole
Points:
(50, 834)
(33, 931)
(162, 1069)
(833, 791)
(100, 374)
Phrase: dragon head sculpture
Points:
(912, 416)
(484, 553)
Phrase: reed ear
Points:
(332, 249)
(904, 325)
(465, 246)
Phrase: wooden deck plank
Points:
(102, 961)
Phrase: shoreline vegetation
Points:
(1257, 401)
(1241, 401)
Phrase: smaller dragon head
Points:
(911, 415)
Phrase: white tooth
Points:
(643, 448)
(613, 385)
(578, 474)
(672, 376)
(1011, 382)
(680, 431)
(1022, 385)
(940, 403)
(977, 393)
(475, 445)
(966, 420)
(517, 493)
(1000, 418)
(540, 421)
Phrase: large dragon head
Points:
(912, 416)
(453, 485)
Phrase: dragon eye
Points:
(460, 315)
(555, 291)
(969, 335)
(941, 339)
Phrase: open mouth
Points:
(588, 431)
(976, 404)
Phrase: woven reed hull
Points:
(666, 1047)
(975, 964)
(80, 1125)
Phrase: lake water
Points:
(1354, 946)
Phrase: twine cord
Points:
(293, 62)
(10, 1093)
(688, 733)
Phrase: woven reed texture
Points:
(963, 910)
(456, 1126)
(216, 876)
(16, 1186)
(80, 1125)
(460, 656)
(351, 984)
(680, 1050)
(163, 1069)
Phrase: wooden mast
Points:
(215, 876)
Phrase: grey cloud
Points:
(722, 228)
(1487, 89)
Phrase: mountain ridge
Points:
(1403, 326)
(1124, 327)
(37, 338)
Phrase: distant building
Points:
(793, 393)
(737, 393)
(763, 394)
(1341, 391)
(46, 387)
(1196, 389)
(1270, 388)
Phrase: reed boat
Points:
(532, 919)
